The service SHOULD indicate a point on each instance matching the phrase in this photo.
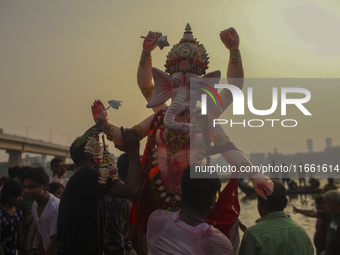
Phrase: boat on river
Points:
(293, 189)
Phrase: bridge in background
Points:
(16, 145)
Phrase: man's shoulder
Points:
(84, 173)
(218, 235)
(53, 205)
(274, 225)
(265, 223)
(54, 178)
(34, 205)
(161, 217)
(256, 228)
(54, 200)
(64, 181)
(85, 170)
(218, 241)
(161, 214)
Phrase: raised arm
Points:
(263, 185)
(308, 213)
(133, 184)
(144, 75)
(235, 75)
(112, 131)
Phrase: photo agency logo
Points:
(207, 88)
(295, 96)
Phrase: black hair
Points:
(319, 199)
(23, 170)
(77, 153)
(55, 161)
(11, 188)
(3, 179)
(54, 186)
(37, 174)
(197, 193)
(123, 165)
(330, 180)
(17, 171)
(13, 171)
(278, 200)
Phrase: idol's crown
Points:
(187, 56)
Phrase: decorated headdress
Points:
(187, 56)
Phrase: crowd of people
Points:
(326, 237)
(53, 215)
(40, 215)
(172, 213)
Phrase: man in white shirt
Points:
(58, 169)
(45, 206)
(186, 231)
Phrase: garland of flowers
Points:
(93, 147)
(107, 173)
(165, 199)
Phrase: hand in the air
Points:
(263, 185)
(130, 141)
(98, 112)
(295, 210)
(150, 45)
(230, 38)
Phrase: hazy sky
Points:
(57, 57)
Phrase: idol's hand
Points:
(150, 42)
(263, 185)
(99, 113)
(230, 38)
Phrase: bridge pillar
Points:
(14, 157)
